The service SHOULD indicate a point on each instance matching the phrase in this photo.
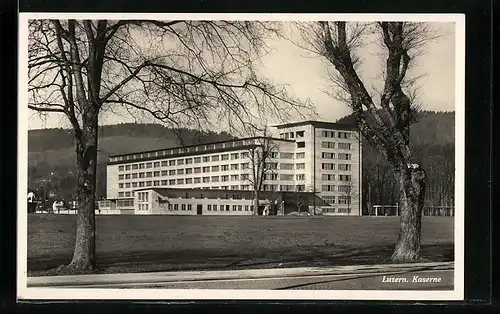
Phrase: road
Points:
(405, 280)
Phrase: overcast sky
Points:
(306, 77)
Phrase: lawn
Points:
(163, 243)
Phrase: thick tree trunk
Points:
(412, 189)
(86, 151)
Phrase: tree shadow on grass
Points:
(190, 260)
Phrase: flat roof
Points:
(319, 124)
(208, 143)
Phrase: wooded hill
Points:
(52, 163)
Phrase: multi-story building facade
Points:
(229, 165)
(328, 163)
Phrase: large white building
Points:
(311, 158)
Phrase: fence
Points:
(394, 210)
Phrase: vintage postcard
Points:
(241, 156)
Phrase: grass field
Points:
(163, 243)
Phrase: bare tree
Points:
(180, 72)
(261, 166)
(383, 114)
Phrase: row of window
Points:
(185, 161)
(339, 145)
(340, 177)
(341, 188)
(340, 134)
(290, 135)
(340, 156)
(182, 150)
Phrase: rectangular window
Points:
(120, 185)
(183, 207)
(197, 160)
(235, 208)
(245, 166)
(328, 188)
(300, 133)
(326, 155)
(164, 163)
(142, 166)
(327, 133)
(215, 168)
(345, 177)
(127, 167)
(224, 167)
(246, 207)
(197, 180)
(344, 145)
(330, 199)
(244, 155)
(135, 166)
(286, 177)
(171, 172)
(180, 181)
(149, 183)
(328, 144)
(149, 165)
(234, 167)
(156, 164)
(215, 178)
(206, 179)
(156, 183)
(328, 177)
(134, 184)
(180, 171)
(127, 176)
(286, 166)
(142, 184)
(206, 159)
(120, 194)
(301, 177)
(156, 174)
(300, 187)
(180, 162)
(189, 180)
(300, 166)
(224, 178)
(127, 185)
(286, 155)
(234, 177)
(215, 158)
(176, 206)
(209, 207)
(234, 187)
(224, 157)
(164, 182)
(197, 170)
(344, 167)
(121, 177)
(206, 169)
(235, 156)
(189, 170)
(245, 176)
(121, 168)
(149, 174)
(171, 163)
(171, 182)
(300, 155)
(190, 207)
(189, 161)
(273, 154)
(240, 208)
(345, 135)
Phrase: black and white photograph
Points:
(241, 156)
